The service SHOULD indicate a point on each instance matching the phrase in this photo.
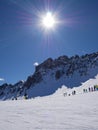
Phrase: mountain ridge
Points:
(52, 74)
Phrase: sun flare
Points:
(48, 20)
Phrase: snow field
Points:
(79, 112)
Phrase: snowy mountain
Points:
(50, 75)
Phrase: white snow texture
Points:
(55, 112)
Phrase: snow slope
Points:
(56, 112)
(79, 90)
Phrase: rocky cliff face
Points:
(52, 74)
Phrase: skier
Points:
(94, 87)
(65, 94)
(74, 92)
(89, 89)
(83, 90)
(97, 87)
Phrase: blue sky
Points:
(23, 42)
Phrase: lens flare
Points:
(48, 20)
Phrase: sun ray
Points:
(48, 20)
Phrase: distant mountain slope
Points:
(52, 74)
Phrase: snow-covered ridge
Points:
(52, 74)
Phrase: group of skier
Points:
(73, 93)
(90, 89)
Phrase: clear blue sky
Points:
(23, 42)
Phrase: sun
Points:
(48, 21)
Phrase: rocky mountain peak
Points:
(47, 64)
(63, 70)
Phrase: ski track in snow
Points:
(79, 112)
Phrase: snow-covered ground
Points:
(56, 112)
